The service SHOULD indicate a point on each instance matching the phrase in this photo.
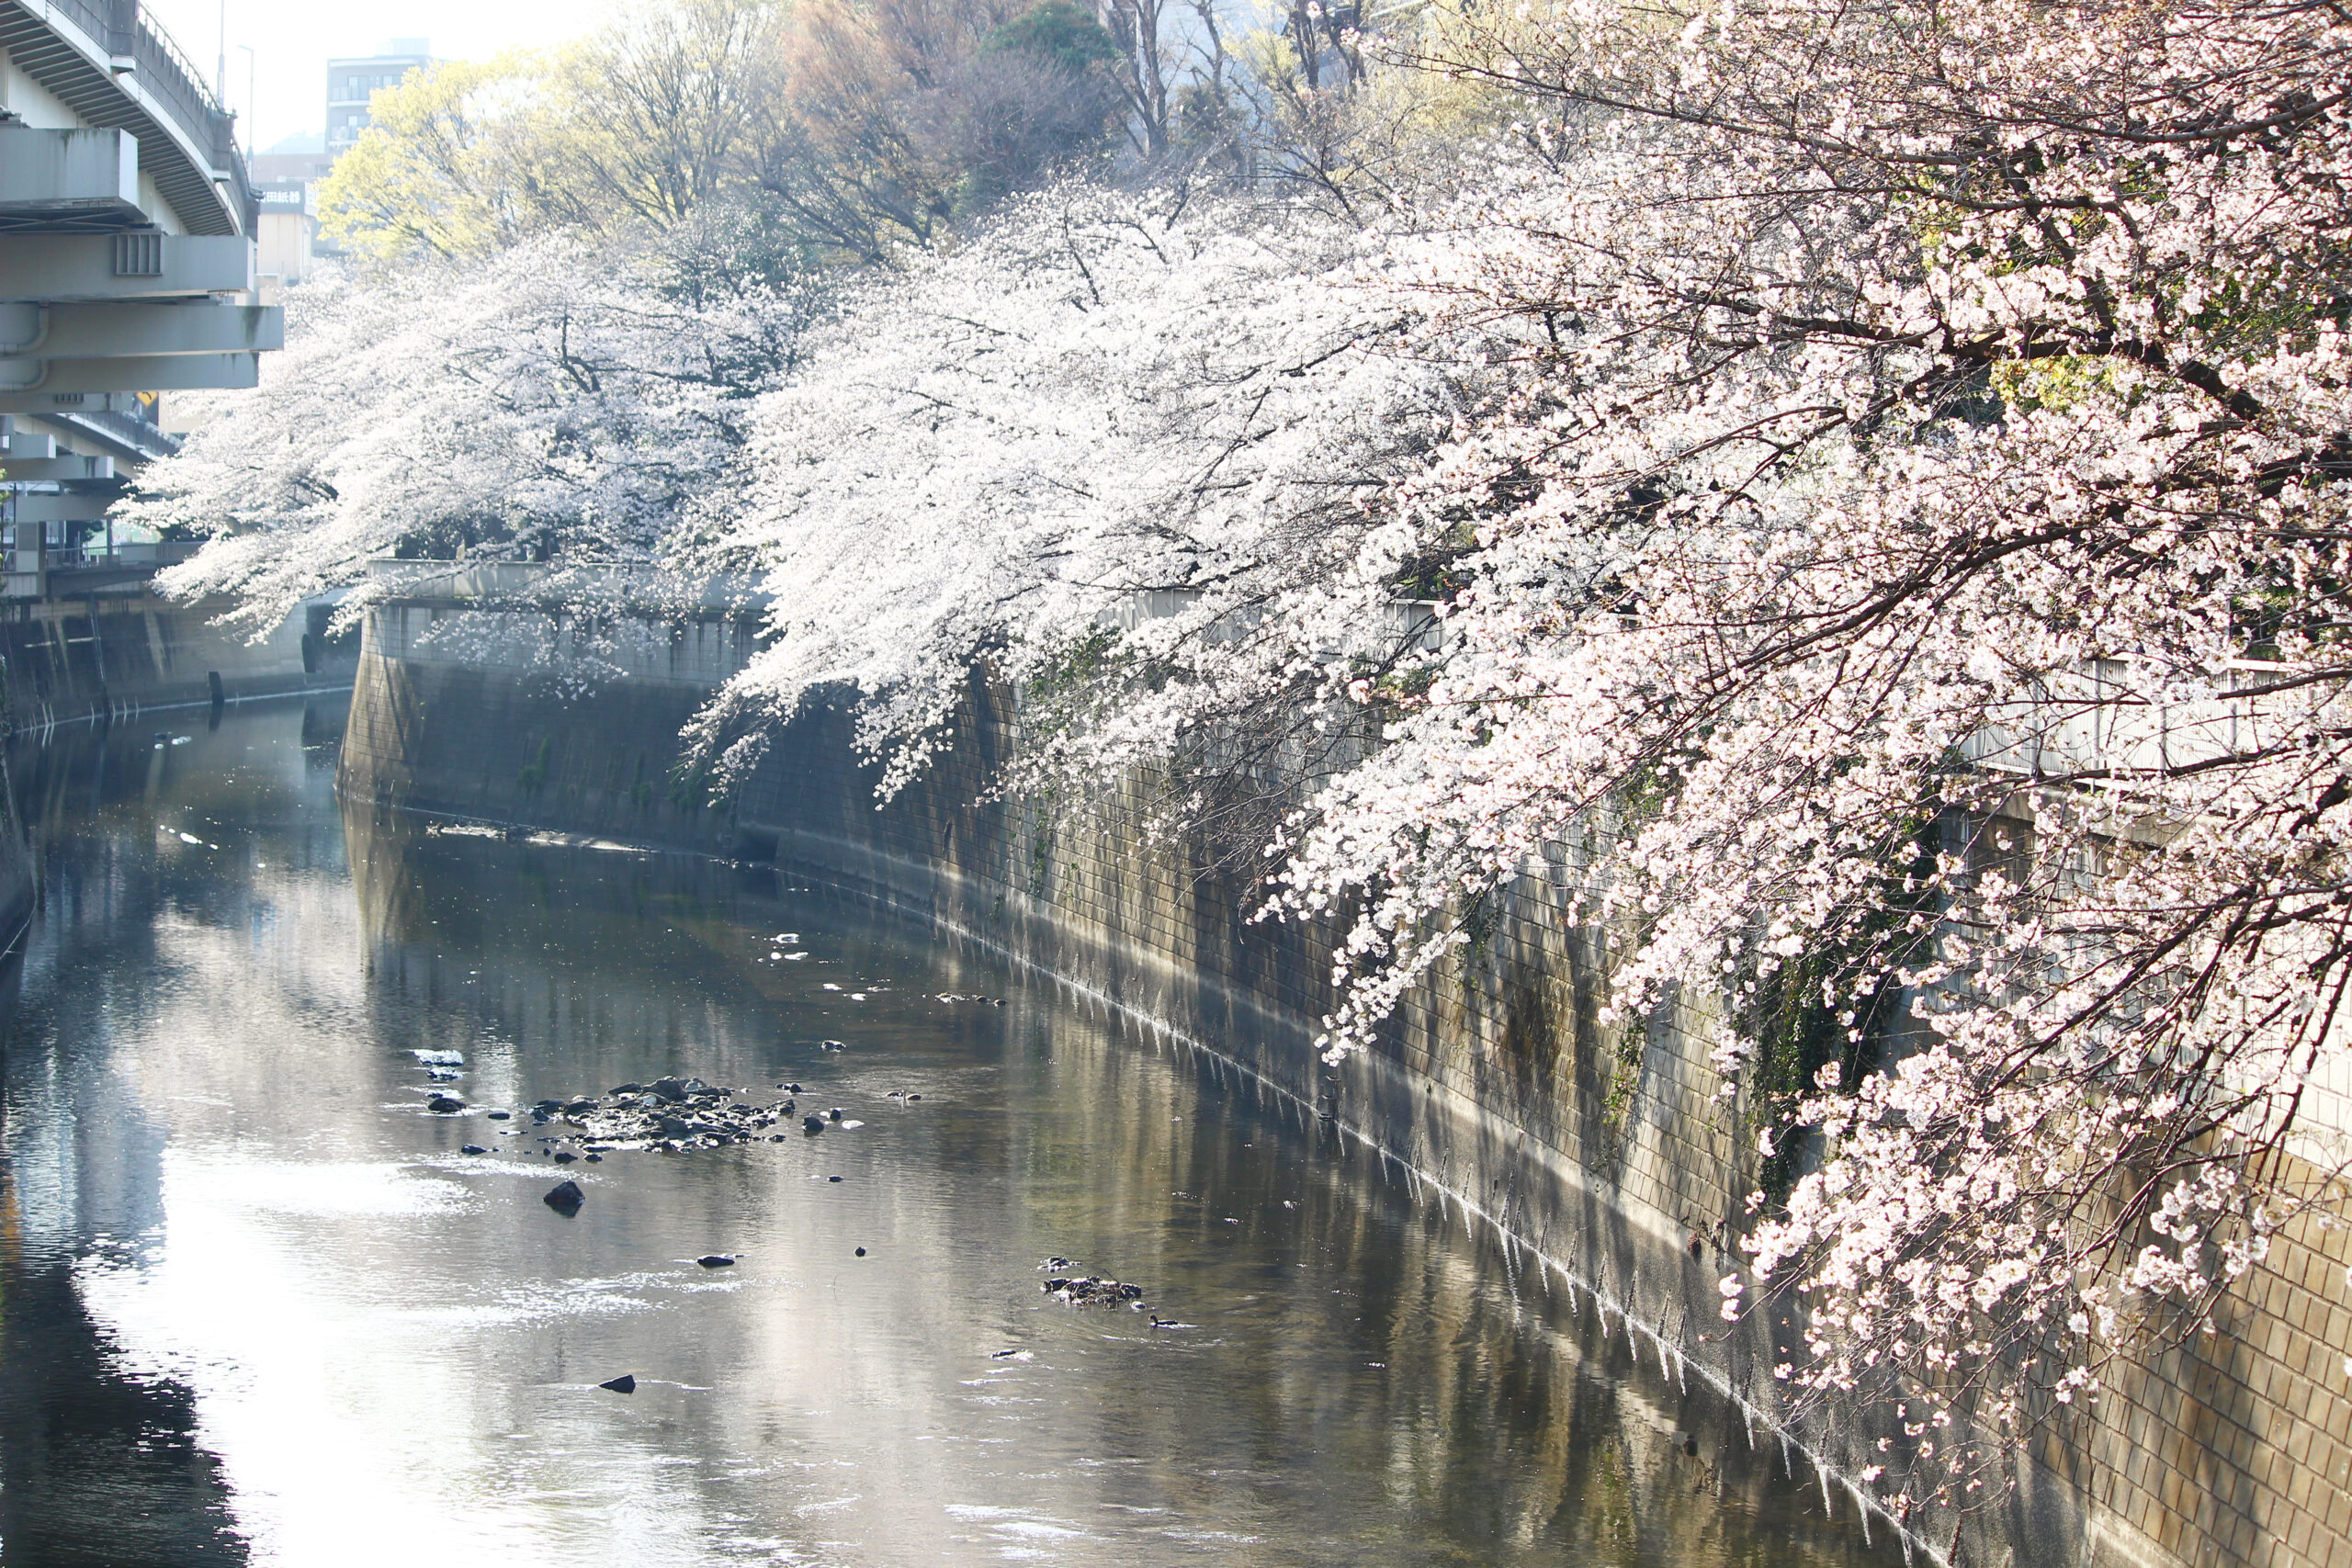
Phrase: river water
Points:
(257, 1304)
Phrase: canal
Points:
(258, 1305)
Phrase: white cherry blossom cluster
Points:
(1880, 474)
(557, 400)
(1915, 546)
(1122, 446)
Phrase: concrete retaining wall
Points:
(67, 659)
(1606, 1153)
(111, 654)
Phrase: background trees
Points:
(862, 127)
(455, 170)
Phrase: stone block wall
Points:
(1606, 1155)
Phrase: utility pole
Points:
(253, 69)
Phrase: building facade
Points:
(286, 237)
(351, 82)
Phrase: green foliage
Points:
(1795, 1035)
(1802, 1016)
(2059, 384)
(1479, 916)
(1041, 846)
(1057, 33)
(1068, 689)
(533, 774)
(1623, 1065)
(690, 786)
(447, 165)
(822, 128)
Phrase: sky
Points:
(293, 40)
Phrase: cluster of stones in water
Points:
(669, 1115)
(1089, 1290)
(1093, 1290)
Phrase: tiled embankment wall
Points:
(1605, 1153)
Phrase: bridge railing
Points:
(100, 555)
(171, 84)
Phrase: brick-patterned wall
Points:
(2237, 1447)
(1606, 1155)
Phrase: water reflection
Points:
(353, 1342)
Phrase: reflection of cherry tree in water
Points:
(1878, 474)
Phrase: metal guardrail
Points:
(2096, 719)
(102, 555)
(115, 24)
(1411, 622)
(1407, 622)
(121, 429)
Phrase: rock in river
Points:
(565, 1198)
(445, 1104)
(716, 1260)
(625, 1383)
(1093, 1291)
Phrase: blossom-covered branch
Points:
(558, 400)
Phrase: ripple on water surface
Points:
(259, 1305)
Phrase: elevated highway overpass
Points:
(127, 272)
(125, 216)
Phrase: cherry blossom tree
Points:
(1914, 546)
(559, 401)
(1874, 478)
(1109, 401)
(1887, 497)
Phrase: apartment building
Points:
(351, 82)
